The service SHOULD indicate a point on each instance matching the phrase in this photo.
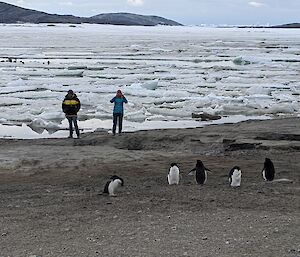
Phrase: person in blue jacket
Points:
(118, 111)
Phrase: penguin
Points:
(201, 172)
(235, 176)
(173, 176)
(112, 185)
(268, 171)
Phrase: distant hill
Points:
(284, 26)
(13, 14)
(132, 19)
(288, 26)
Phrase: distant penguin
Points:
(235, 176)
(201, 172)
(268, 171)
(112, 185)
(173, 176)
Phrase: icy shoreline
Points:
(23, 131)
(166, 74)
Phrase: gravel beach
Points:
(52, 203)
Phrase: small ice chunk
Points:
(39, 125)
(241, 61)
(150, 85)
(138, 116)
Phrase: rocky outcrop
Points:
(205, 116)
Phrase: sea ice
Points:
(166, 73)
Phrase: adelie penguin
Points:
(268, 171)
(235, 177)
(173, 176)
(112, 185)
(200, 172)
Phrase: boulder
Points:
(205, 116)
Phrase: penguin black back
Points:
(105, 191)
(268, 171)
(201, 174)
(114, 177)
(173, 164)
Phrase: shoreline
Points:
(202, 125)
(23, 131)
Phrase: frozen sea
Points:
(166, 73)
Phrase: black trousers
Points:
(71, 120)
(117, 119)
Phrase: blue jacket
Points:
(118, 108)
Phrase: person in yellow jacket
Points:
(71, 106)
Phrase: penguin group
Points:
(234, 177)
(200, 172)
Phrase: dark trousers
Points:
(71, 120)
(117, 118)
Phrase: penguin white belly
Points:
(113, 185)
(173, 176)
(236, 179)
(205, 172)
(264, 174)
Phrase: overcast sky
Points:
(188, 12)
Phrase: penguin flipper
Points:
(105, 191)
(192, 172)
(207, 169)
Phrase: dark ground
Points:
(50, 204)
